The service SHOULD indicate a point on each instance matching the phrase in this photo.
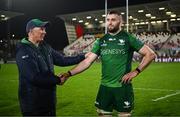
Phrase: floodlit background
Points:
(75, 25)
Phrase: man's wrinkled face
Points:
(38, 33)
(113, 22)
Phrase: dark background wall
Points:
(47, 10)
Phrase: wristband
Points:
(69, 73)
(138, 70)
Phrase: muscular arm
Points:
(148, 56)
(85, 64)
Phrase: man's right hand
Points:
(63, 77)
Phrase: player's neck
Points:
(115, 32)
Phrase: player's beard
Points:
(113, 29)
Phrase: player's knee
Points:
(124, 114)
(102, 113)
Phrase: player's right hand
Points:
(64, 77)
(87, 54)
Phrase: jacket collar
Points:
(26, 41)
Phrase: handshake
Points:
(64, 76)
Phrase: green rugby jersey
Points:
(116, 54)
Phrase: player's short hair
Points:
(114, 12)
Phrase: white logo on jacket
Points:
(25, 56)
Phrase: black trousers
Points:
(46, 113)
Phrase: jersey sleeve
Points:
(96, 47)
(135, 43)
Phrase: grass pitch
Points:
(157, 91)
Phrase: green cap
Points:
(35, 23)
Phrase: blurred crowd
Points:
(165, 44)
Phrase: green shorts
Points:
(119, 98)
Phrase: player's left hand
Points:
(129, 76)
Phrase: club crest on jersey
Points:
(104, 43)
(121, 42)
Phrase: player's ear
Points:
(121, 19)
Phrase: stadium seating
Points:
(165, 44)
(84, 43)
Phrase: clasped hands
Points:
(63, 77)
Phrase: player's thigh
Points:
(124, 114)
(103, 113)
(104, 99)
(124, 98)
